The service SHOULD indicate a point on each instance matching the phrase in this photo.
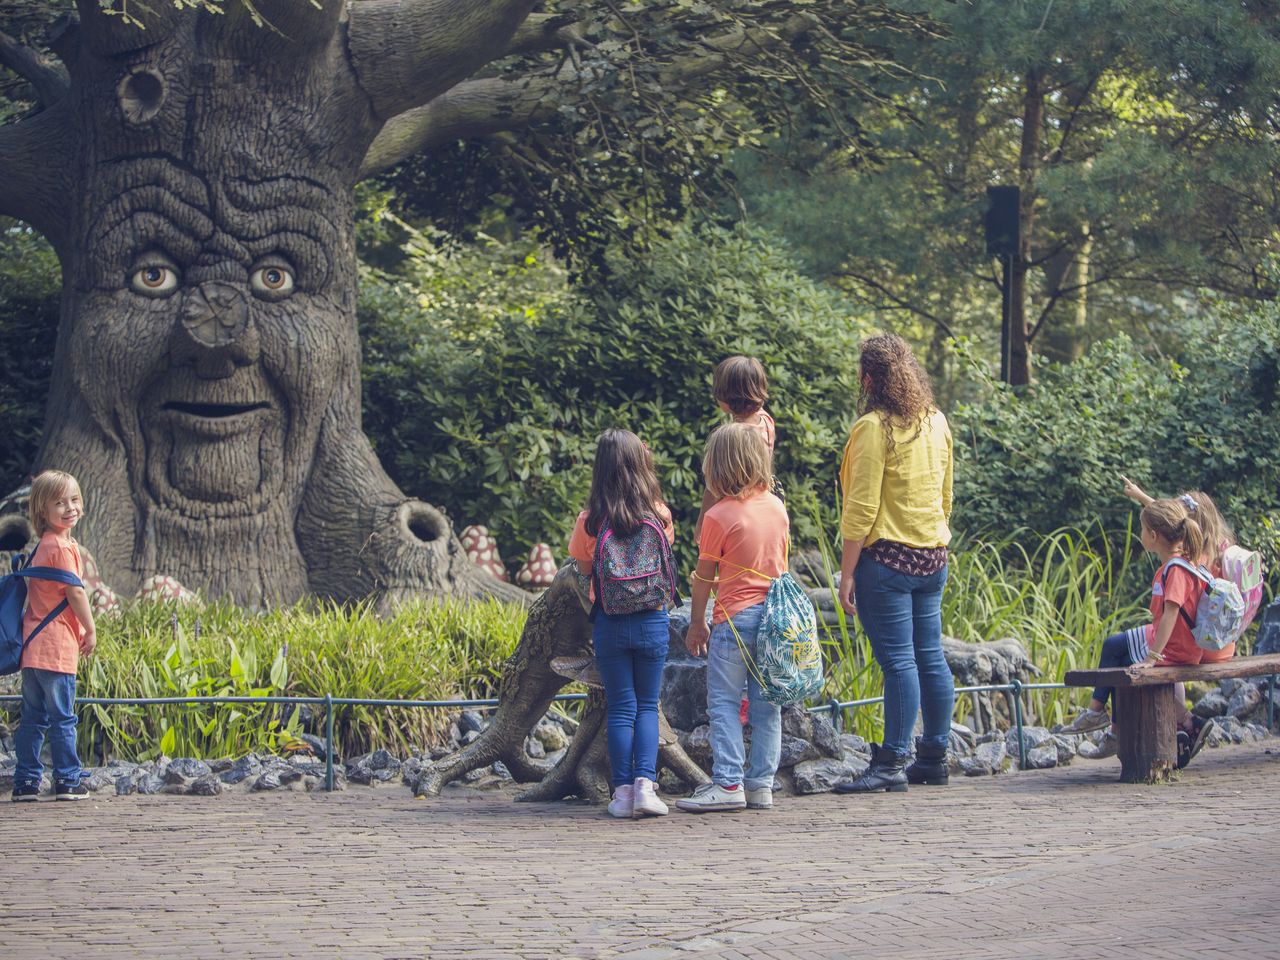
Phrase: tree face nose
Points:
(215, 314)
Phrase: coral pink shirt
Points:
(57, 646)
(748, 541)
(582, 546)
(1184, 589)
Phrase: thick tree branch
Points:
(488, 106)
(34, 161)
(407, 52)
(46, 76)
(543, 31)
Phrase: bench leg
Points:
(1146, 734)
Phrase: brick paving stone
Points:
(986, 867)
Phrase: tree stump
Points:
(557, 629)
(1146, 731)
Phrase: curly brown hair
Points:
(894, 385)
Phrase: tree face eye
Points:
(154, 280)
(272, 282)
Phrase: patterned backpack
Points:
(1220, 614)
(635, 573)
(790, 659)
(1244, 568)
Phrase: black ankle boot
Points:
(930, 765)
(885, 773)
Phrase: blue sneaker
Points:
(26, 793)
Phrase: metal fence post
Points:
(837, 715)
(328, 742)
(1016, 687)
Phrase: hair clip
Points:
(1188, 501)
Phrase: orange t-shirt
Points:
(746, 538)
(582, 546)
(1183, 588)
(57, 646)
(764, 425)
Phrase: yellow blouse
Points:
(904, 495)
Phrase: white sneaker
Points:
(713, 798)
(645, 802)
(622, 802)
(760, 799)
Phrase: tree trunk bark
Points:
(1028, 173)
(1146, 727)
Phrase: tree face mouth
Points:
(215, 411)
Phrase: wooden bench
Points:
(1147, 731)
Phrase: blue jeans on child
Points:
(631, 651)
(48, 706)
(727, 675)
(902, 616)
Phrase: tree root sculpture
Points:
(557, 629)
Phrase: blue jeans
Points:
(48, 705)
(631, 651)
(727, 676)
(902, 616)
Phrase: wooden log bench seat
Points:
(1146, 732)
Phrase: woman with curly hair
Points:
(896, 480)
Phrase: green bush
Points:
(487, 379)
(1202, 417)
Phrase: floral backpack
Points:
(635, 573)
(1220, 614)
(1244, 568)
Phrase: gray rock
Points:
(534, 748)
(1032, 737)
(125, 785)
(1268, 639)
(1233, 730)
(207, 786)
(470, 720)
(276, 776)
(413, 770)
(677, 627)
(243, 769)
(697, 744)
(383, 760)
(222, 764)
(307, 766)
(475, 776)
(684, 693)
(1244, 701)
(501, 772)
(795, 750)
(825, 737)
(1067, 748)
(988, 758)
(470, 737)
(1212, 704)
(551, 736)
(851, 743)
(148, 783)
(183, 770)
(1043, 757)
(820, 776)
(99, 779)
(797, 722)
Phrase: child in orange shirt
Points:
(740, 388)
(50, 659)
(743, 547)
(1169, 530)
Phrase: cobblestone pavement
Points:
(1061, 863)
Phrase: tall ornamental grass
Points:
(1059, 594)
(436, 650)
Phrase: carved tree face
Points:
(213, 304)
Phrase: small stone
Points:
(243, 769)
(825, 737)
(125, 786)
(1043, 757)
(551, 736)
(383, 760)
(207, 786)
(470, 720)
(149, 783)
(797, 722)
(500, 771)
(697, 744)
(988, 758)
(221, 765)
(184, 770)
(475, 776)
(1244, 700)
(534, 748)
(795, 750)
(276, 776)
(820, 776)
(1212, 704)
(1032, 737)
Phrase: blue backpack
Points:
(13, 600)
